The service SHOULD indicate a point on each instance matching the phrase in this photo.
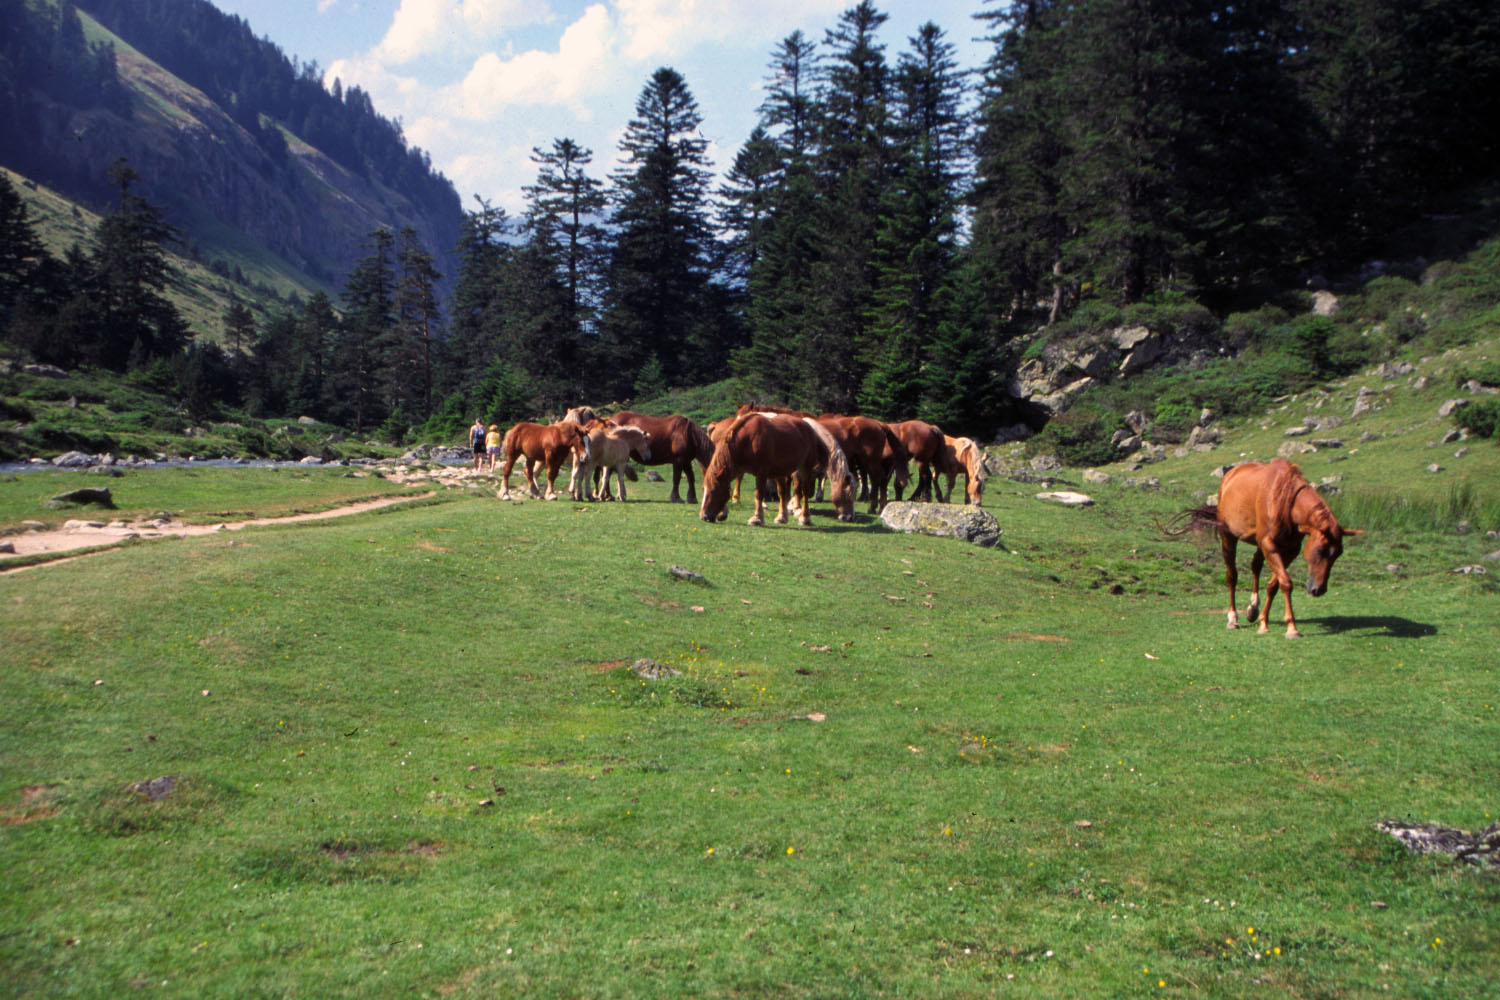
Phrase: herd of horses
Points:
(792, 454)
(788, 452)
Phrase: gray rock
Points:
(1127, 442)
(1067, 498)
(653, 670)
(306, 421)
(73, 460)
(155, 789)
(1045, 463)
(90, 494)
(1291, 449)
(652, 476)
(1452, 436)
(1434, 467)
(1450, 406)
(1492, 557)
(1219, 472)
(1297, 431)
(1396, 369)
(965, 523)
(8, 548)
(1325, 303)
(1095, 476)
(1143, 482)
(1460, 453)
(683, 573)
(311, 460)
(45, 371)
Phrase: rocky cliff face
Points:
(221, 188)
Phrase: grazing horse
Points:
(675, 441)
(541, 445)
(962, 456)
(924, 443)
(776, 447)
(610, 448)
(873, 451)
(1274, 506)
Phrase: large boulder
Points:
(967, 524)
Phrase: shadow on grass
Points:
(1376, 626)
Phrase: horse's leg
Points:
(676, 479)
(782, 494)
(1257, 563)
(1227, 545)
(758, 518)
(801, 487)
(554, 463)
(510, 461)
(687, 470)
(620, 479)
(1281, 578)
(735, 495)
(532, 468)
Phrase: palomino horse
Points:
(579, 415)
(541, 445)
(962, 456)
(775, 447)
(924, 443)
(874, 453)
(610, 448)
(675, 441)
(1274, 506)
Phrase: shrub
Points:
(1483, 372)
(1079, 436)
(1481, 418)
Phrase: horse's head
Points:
(976, 464)
(578, 441)
(716, 485)
(1324, 545)
(841, 492)
(638, 440)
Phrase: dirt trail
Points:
(86, 534)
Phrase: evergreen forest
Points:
(891, 231)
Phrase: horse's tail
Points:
(510, 440)
(1194, 519)
(838, 464)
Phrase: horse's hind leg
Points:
(1253, 612)
(1227, 546)
(687, 470)
(758, 518)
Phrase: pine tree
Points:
(21, 251)
(418, 335)
(359, 361)
(657, 299)
(130, 272)
(915, 247)
(239, 327)
(475, 306)
(852, 166)
(563, 209)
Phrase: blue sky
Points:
(478, 83)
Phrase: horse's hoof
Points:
(781, 520)
(1292, 633)
(1263, 630)
(756, 522)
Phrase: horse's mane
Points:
(1286, 483)
(722, 460)
(969, 453)
(703, 446)
(838, 465)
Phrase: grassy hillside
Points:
(202, 287)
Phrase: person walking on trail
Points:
(476, 442)
(492, 446)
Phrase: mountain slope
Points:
(269, 200)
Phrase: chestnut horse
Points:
(962, 456)
(675, 441)
(874, 453)
(1274, 506)
(924, 443)
(610, 448)
(541, 445)
(774, 447)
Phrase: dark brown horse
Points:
(675, 441)
(1276, 508)
(772, 448)
(541, 445)
(924, 443)
(874, 453)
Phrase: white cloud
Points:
(578, 68)
(657, 28)
(423, 27)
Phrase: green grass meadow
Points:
(411, 758)
(1023, 782)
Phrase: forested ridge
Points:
(893, 228)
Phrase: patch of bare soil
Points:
(76, 535)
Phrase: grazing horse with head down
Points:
(541, 445)
(962, 456)
(874, 453)
(776, 447)
(924, 443)
(675, 441)
(1276, 508)
(610, 448)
